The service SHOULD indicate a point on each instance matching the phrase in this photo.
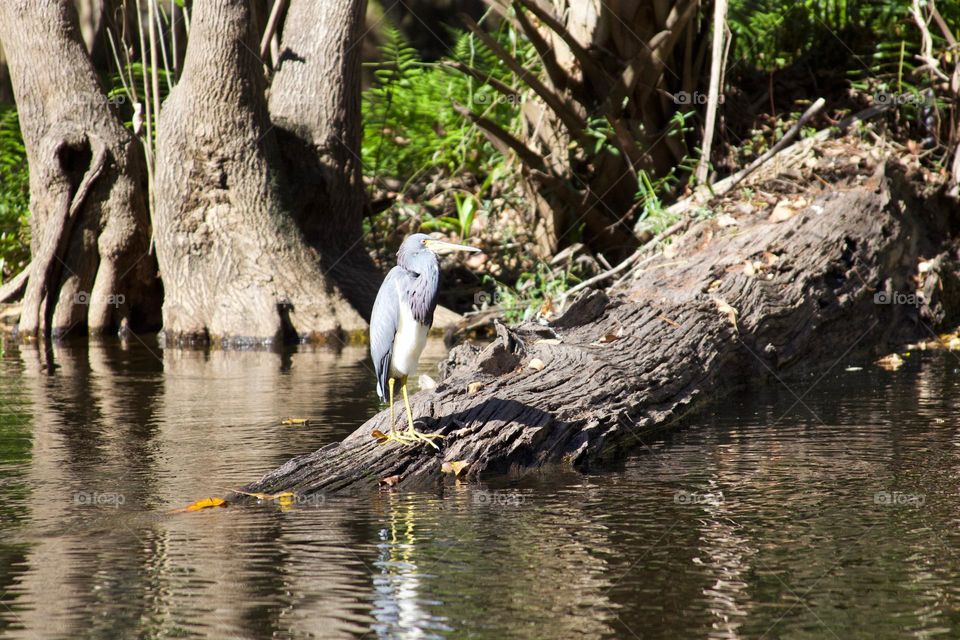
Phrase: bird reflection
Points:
(399, 608)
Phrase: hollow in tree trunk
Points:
(91, 266)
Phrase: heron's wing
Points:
(383, 327)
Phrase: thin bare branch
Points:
(154, 62)
(502, 139)
(591, 68)
(574, 123)
(272, 23)
(703, 193)
(713, 95)
(559, 78)
(926, 42)
(163, 44)
(147, 108)
(944, 29)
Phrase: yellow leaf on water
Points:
(950, 341)
(199, 505)
(891, 362)
(389, 481)
(295, 422)
(456, 467)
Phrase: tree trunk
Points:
(761, 300)
(315, 109)
(91, 263)
(235, 266)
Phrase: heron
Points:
(401, 319)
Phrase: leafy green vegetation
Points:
(411, 127)
(866, 39)
(654, 217)
(770, 35)
(14, 197)
(535, 290)
(854, 52)
(421, 150)
(467, 206)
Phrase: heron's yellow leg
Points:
(412, 433)
(406, 403)
(394, 435)
(393, 418)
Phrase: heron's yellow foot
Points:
(409, 437)
(413, 436)
(399, 437)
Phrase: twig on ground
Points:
(636, 255)
(706, 192)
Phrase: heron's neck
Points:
(421, 288)
(422, 267)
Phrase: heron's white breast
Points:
(408, 343)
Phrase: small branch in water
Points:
(13, 289)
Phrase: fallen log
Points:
(731, 304)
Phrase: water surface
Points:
(837, 515)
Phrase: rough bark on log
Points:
(764, 299)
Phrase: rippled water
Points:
(835, 515)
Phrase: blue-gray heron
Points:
(401, 319)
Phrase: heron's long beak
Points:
(439, 246)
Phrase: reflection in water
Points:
(397, 605)
(834, 516)
(122, 435)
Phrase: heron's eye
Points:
(423, 242)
